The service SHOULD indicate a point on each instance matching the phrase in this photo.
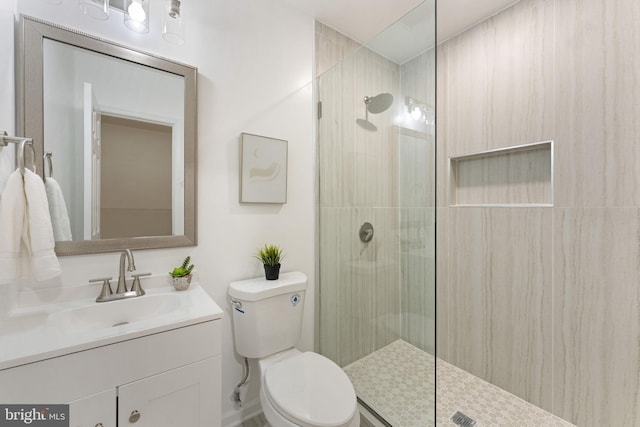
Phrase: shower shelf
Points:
(516, 176)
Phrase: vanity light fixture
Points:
(97, 9)
(172, 22)
(419, 111)
(136, 15)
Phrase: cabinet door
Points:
(97, 410)
(188, 397)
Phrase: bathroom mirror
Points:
(119, 130)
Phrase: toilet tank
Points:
(267, 314)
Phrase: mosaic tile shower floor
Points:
(397, 382)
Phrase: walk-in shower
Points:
(376, 288)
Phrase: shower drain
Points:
(462, 420)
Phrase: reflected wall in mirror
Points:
(121, 127)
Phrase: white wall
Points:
(255, 71)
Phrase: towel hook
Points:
(47, 156)
(26, 142)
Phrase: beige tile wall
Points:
(596, 313)
(358, 179)
(372, 294)
(545, 302)
(500, 297)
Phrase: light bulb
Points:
(136, 11)
(416, 113)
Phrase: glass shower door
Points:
(376, 162)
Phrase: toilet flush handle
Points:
(237, 305)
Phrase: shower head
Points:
(379, 103)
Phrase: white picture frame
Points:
(263, 170)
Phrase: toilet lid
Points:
(311, 390)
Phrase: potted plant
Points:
(270, 256)
(182, 275)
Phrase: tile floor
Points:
(397, 381)
(257, 421)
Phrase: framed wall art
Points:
(263, 171)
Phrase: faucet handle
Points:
(135, 286)
(106, 288)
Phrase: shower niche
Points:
(521, 175)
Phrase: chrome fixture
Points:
(106, 294)
(136, 15)
(48, 162)
(135, 286)
(366, 232)
(379, 103)
(172, 22)
(24, 143)
(131, 266)
(374, 105)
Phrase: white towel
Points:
(37, 232)
(12, 217)
(6, 166)
(58, 211)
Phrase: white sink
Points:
(69, 325)
(114, 313)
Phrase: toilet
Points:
(296, 388)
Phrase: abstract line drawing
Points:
(264, 169)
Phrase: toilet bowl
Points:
(297, 389)
(306, 389)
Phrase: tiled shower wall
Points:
(545, 301)
(372, 294)
(359, 288)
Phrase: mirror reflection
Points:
(115, 132)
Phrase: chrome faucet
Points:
(121, 292)
(131, 266)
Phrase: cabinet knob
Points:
(135, 416)
(99, 425)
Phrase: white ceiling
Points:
(363, 20)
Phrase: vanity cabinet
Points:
(180, 397)
(96, 410)
(170, 378)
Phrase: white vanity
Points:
(153, 360)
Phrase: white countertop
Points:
(38, 332)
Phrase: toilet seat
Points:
(311, 391)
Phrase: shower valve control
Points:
(366, 232)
